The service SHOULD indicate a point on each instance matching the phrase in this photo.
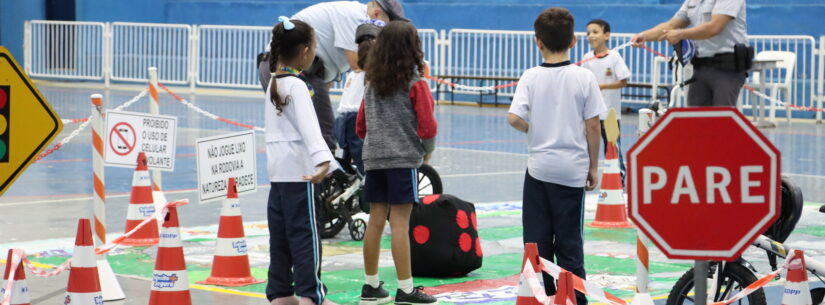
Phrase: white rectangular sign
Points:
(222, 157)
(129, 133)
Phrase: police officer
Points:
(719, 29)
(336, 51)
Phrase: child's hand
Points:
(592, 179)
(320, 172)
(427, 158)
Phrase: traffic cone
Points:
(796, 290)
(170, 283)
(642, 298)
(230, 266)
(19, 288)
(141, 207)
(110, 287)
(525, 294)
(612, 211)
(564, 290)
(84, 284)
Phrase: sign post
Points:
(27, 121)
(129, 133)
(222, 157)
(703, 183)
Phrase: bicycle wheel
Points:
(330, 221)
(429, 182)
(734, 279)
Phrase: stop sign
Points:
(703, 183)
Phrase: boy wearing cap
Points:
(352, 97)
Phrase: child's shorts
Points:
(393, 186)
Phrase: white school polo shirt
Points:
(353, 92)
(697, 12)
(556, 99)
(294, 145)
(609, 69)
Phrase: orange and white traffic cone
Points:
(19, 292)
(525, 294)
(565, 295)
(170, 282)
(84, 284)
(797, 291)
(141, 206)
(230, 266)
(612, 210)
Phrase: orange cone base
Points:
(139, 242)
(611, 216)
(170, 297)
(231, 281)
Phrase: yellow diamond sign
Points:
(27, 122)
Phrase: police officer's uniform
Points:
(718, 71)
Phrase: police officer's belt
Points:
(723, 61)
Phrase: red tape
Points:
(810, 109)
(40, 272)
(48, 152)
(225, 120)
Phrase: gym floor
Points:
(480, 158)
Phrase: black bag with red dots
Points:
(444, 238)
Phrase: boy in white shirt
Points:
(558, 105)
(353, 96)
(611, 73)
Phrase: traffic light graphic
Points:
(5, 100)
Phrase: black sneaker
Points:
(416, 297)
(374, 296)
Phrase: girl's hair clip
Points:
(375, 22)
(288, 25)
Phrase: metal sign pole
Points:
(700, 282)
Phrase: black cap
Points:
(366, 31)
(393, 9)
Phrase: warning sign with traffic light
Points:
(33, 126)
(4, 123)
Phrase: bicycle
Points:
(340, 199)
(727, 279)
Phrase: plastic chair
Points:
(777, 80)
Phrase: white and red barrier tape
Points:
(779, 102)
(579, 284)
(513, 84)
(583, 286)
(72, 121)
(649, 49)
(536, 287)
(207, 113)
(86, 121)
(19, 256)
(761, 282)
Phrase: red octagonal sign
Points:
(703, 183)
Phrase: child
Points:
(352, 96)
(297, 157)
(397, 124)
(611, 73)
(558, 105)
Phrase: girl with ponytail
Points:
(297, 157)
